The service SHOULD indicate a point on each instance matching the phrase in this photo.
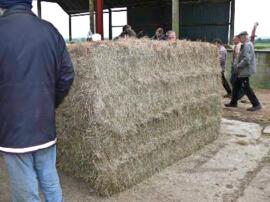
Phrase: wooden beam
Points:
(176, 17)
(39, 8)
(91, 16)
(232, 21)
(70, 28)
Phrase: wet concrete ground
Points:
(236, 167)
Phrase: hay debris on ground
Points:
(136, 107)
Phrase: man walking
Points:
(36, 74)
(223, 60)
(236, 52)
(245, 68)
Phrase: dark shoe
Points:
(227, 96)
(244, 101)
(231, 105)
(254, 109)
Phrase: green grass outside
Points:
(261, 46)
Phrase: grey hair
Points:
(2, 11)
(170, 32)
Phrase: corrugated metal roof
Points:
(81, 6)
(72, 7)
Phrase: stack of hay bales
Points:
(137, 107)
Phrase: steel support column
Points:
(70, 27)
(110, 24)
(99, 17)
(91, 16)
(39, 8)
(232, 21)
(176, 17)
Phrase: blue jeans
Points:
(29, 171)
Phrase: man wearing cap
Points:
(36, 74)
(245, 68)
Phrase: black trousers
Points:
(225, 83)
(243, 83)
(233, 79)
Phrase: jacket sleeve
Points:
(65, 75)
(223, 58)
(246, 58)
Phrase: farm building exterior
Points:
(191, 19)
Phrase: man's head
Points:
(243, 36)
(236, 40)
(217, 42)
(126, 28)
(171, 36)
(159, 32)
(6, 4)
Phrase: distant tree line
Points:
(260, 40)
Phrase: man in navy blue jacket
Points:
(36, 74)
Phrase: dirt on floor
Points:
(234, 168)
(241, 113)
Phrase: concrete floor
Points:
(236, 167)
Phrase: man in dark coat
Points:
(36, 74)
(159, 35)
(127, 32)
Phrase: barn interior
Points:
(194, 20)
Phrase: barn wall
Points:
(205, 21)
(148, 18)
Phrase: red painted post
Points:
(99, 17)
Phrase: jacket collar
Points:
(18, 9)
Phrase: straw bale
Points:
(137, 107)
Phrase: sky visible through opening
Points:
(247, 13)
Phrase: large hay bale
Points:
(137, 107)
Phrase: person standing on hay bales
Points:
(36, 74)
(223, 60)
(171, 36)
(127, 32)
(246, 67)
(159, 35)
